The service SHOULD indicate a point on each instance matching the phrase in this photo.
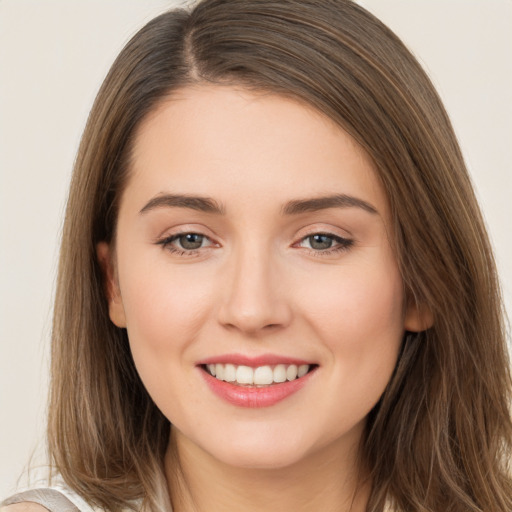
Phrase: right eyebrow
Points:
(202, 204)
(298, 206)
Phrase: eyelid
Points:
(342, 242)
(183, 229)
(167, 244)
(178, 236)
(324, 229)
(337, 238)
(167, 239)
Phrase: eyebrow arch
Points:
(298, 206)
(202, 204)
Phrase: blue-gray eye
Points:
(190, 241)
(320, 242)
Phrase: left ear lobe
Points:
(418, 317)
(111, 284)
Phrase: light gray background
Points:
(53, 57)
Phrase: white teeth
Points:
(302, 370)
(263, 375)
(219, 371)
(291, 372)
(245, 375)
(260, 376)
(229, 373)
(280, 373)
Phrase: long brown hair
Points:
(441, 434)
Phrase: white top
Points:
(57, 498)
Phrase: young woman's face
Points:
(254, 243)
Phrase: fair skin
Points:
(288, 259)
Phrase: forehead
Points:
(230, 143)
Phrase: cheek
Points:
(165, 311)
(165, 308)
(356, 300)
(359, 318)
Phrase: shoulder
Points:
(26, 506)
(45, 499)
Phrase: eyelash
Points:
(343, 244)
(166, 243)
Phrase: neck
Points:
(328, 480)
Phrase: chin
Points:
(259, 459)
(263, 450)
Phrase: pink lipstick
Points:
(255, 381)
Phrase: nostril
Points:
(263, 316)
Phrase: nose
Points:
(254, 299)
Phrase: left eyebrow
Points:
(298, 206)
(202, 204)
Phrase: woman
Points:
(272, 244)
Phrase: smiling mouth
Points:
(260, 376)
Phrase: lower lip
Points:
(254, 397)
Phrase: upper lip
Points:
(253, 361)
